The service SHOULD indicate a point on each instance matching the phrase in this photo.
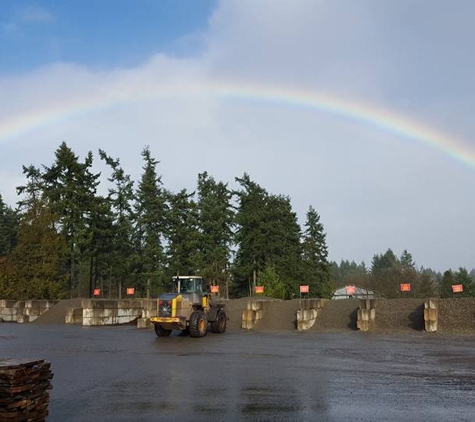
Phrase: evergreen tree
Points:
(250, 237)
(267, 234)
(386, 274)
(8, 228)
(406, 261)
(215, 220)
(121, 248)
(183, 235)
(445, 289)
(316, 268)
(35, 268)
(151, 211)
(424, 287)
(461, 277)
(273, 285)
(69, 187)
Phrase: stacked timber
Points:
(24, 389)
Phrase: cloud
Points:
(8, 28)
(27, 16)
(35, 15)
(373, 189)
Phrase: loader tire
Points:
(198, 324)
(160, 331)
(219, 326)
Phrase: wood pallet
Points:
(24, 386)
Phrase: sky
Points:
(363, 110)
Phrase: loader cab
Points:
(188, 285)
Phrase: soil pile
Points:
(337, 315)
(399, 315)
(279, 315)
(457, 316)
(234, 309)
(57, 314)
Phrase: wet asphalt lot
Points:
(125, 374)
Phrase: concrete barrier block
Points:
(248, 315)
(372, 314)
(258, 315)
(247, 324)
(34, 311)
(431, 304)
(5, 303)
(143, 323)
(87, 312)
(8, 318)
(305, 325)
(257, 305)
(22, 319)
(8, 311)
(363, 314)
(73, 316)
(430, 314)
(364, 325)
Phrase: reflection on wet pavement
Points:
(125, 374)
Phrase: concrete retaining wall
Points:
(308, 313)
(366, 314)
(111, 312)
(24, 311)
(74, 316)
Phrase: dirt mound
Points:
(337, 315)
(234, 308)
(457, 316)
(279, 315)
(399, 315)
(57, 314)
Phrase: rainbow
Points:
(365, 114)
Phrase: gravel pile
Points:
(457, 316)
(57, 314)
(337, 315)
(279, 315)
(399, 315)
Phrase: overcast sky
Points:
(208, 85)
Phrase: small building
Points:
(353, 292)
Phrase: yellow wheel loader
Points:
(189, 309)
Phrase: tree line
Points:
(387, 272)
(65, 239)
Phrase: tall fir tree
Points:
(35, 269)
(183, 236)
(316, 268)
(215, 221)
(8, 228)
(151, 212)
(69, 187)
(267, 234)
(121, 248)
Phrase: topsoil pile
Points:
(399, 315)
(337, 315)
(57, 314)
(279, 315)
(457, 316)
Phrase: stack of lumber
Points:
(24, 386)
